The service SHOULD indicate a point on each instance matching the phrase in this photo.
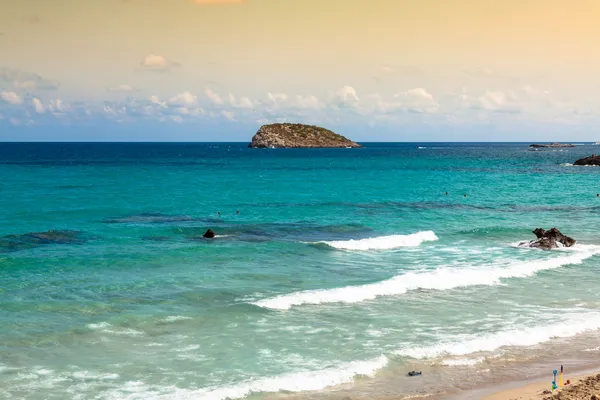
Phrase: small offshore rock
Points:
(209, 234)
(551, 239)
(591, 160)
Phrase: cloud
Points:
(183, 99)
(39, 107)
(154, 62)
(20, 79)
(228, 115)
(122, 89)
(242, 102)
(346, 96)
(214, 97)
(11, 97)
(157, 101)
(417, 100)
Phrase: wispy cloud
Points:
(155, 62)
(24, 80)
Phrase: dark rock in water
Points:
(551, 145)
(592, 160)
(551, 239)
(36, 239)
(209, 234)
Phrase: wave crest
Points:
(439, 279)
(383, 242)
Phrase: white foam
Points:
(384, 242)
(175, 318)
(101, 325)
(462, 361)
(290, 382)
(459, 345)
(439, 279)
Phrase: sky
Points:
(372, 70)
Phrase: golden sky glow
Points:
(308, 47)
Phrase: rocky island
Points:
(591, 160)
(551, 145)
(288, 135)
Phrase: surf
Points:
(382, 242)
(443, 278)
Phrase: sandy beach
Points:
(585, 387)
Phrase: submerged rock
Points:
(149, 218)
(299, 136)
(35, 239)
(209, 234)
(551, 239)
(591, 160)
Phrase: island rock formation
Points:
(591, 160)
(298, 136)
(551, 145)
(547, 240)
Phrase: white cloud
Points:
(277, 98)
(346, 96)
(308, 103)
(11, 97)
(525, 99)
(495, 101)
(57, 106)
(39, 107)
(214, 97)
(417, 100)
(183, 99)
(154, 62)
(156, 100)
(243, 102)
(228, 114)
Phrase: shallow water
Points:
(343, 267)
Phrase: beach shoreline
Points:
(584, 382)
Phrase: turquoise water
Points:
(342, 266)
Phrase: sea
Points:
(333, 273)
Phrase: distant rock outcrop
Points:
(547, 240)
(551, 145)
(591, 160)
(298, 136)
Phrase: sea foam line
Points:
(383, 242)
(290, 382)
(460, 345)
(439, 279)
